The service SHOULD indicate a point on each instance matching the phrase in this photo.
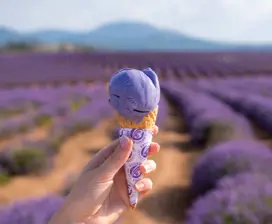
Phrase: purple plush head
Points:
(134, 93)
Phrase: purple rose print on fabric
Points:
(121, 132)
(145, 151)
(137, 134)
(129, 189)
(141, 141)
(135, 171)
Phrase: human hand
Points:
(100, 194)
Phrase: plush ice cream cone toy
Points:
(135, 96)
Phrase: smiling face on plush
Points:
(134, 93)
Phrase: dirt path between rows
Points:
(74, 154)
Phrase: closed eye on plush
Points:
(140, 111)
(116, 95)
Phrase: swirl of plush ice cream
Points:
(134, 93)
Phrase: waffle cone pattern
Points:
(147, 123)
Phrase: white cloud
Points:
(231, 20)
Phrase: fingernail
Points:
(124, 142)
(147, 168)
(157, 145)
(139, 186)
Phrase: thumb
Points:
(114, 163)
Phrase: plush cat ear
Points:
(152, 75)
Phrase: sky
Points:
(221, 20)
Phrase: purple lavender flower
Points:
(230, 158)
(247, 178)
(245, 198)
(203, 112)
(256, 107)
(87, 116)
(31, 211)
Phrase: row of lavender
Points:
(232, 181)
(208, 120)
(251, 97)
(63, 111)
(72, 67)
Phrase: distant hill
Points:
(126, 36)
(8, 35)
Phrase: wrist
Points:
(62, 216)
(69, 214)
(66, 214)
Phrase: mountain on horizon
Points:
(125, 36)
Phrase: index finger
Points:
(101, 156)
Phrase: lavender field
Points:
(215, 119)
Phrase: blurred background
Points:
(214, 61)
